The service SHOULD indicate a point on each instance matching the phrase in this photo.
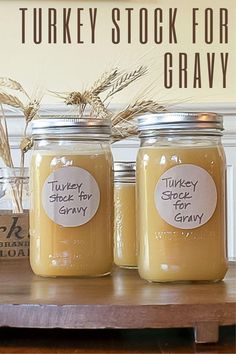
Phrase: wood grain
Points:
(122, 300)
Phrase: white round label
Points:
(186, 196)
(70, 196)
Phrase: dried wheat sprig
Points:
(4, 122)
(31, 110)
(120, 132)
(123, 124)
(144, 106)
(5, 151)
(26, 144)
(5, 154)
(125, 80)
(62, 95)
(76, 98)
(111, 79)
(87, 97)
(97, 105)
(10, 100)
(104, 82)
(12, 84)
(138, 107)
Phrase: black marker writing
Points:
(61, 198)
(189, 218)
(170, 182)
(76, 210)
(60, 187)
(169, 195)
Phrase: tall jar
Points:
(181, 197)
(125, 251)
(71, 188)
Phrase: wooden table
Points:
(165, 341)
(120, 301)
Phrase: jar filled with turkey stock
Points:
(71, 188)
(181, 221)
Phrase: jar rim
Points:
(70, 125)
(14, 172)
(175, 121)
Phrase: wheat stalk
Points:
(26, 144)
(5, 154)
(87, 97)
(5, 151)
(123, 125)
(110, 79)
(120, 132)
(97, 105)
(76, 98)
(12, 84)
(31, 110)
(144, 106)
(10, 100)
(104, 82)
(125, 80)
(137, 108)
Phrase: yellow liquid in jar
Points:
(168, 253)
(85, 250)
(125, 253)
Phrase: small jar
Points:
(181, 197)
(71, 187)
(125, 253)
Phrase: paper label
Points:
(186, 196)
(14, 235)
(70, 196)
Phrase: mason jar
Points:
(125, 252)
(181, 197)
(71, 189)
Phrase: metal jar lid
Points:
(124, 169)
(184, 121)
(83, 127)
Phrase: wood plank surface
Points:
(121, 300)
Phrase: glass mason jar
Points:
(14, 190)
(125, 252)
(14, 213)
(71, 188)
(181, 197)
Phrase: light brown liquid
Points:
(125, 253)
(168, 253)
(85, 250)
